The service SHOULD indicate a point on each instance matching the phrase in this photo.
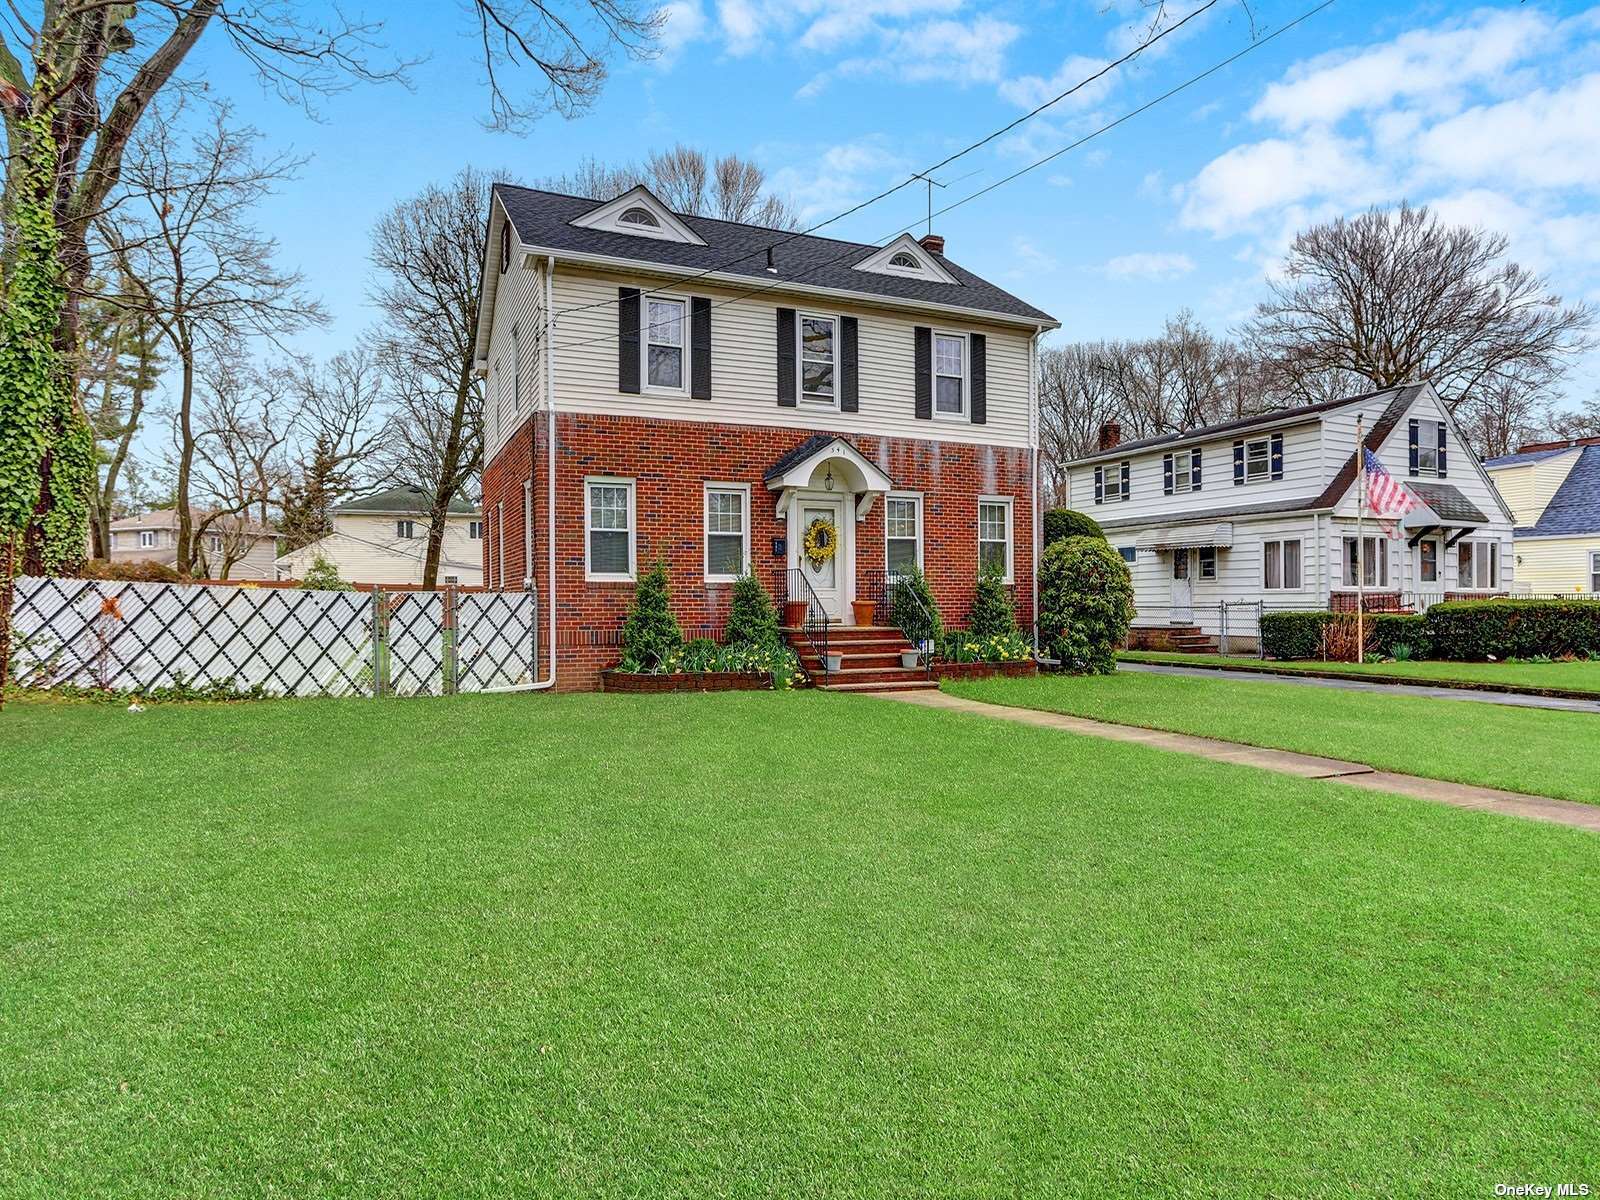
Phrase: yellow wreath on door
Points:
(821, 541)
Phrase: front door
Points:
(1182, 588)
(825, 572)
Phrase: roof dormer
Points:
(909, 259)
(638, 213)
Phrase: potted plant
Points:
(835, 661)
(864, 611)
(909, 658)
(794, 613)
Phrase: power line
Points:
(926, 171)
(1088, 137)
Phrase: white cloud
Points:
(1546, 139)
(834, 177)
(1148, 265)
(1030, 91)
(948, 52)
(1233, 190)
(683, 22)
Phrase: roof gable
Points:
(403, 500)
(1575, 508)
(908, 258)
(637, 213)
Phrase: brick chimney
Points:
(932, 242)
(1110, 435)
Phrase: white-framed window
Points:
(516, 370)
(475, 530)
(405, 528)
(608, 528)
(902, 533)
(1258, 459)
(488, 562)
(1373, 562)
(1428, 561)
(214, 543)
(994, 533)
(666, 349)
(1594, 571)
(1111, 489)
(1130, 554)
(904, 261)
(639, 216)
(1208, 562)
(819, 349)
(1427, 457)
(1184, 465)
(1478, 565)
(727, 531)
(1280, 564)
(950, 375)
(147, 538)
(500, 541)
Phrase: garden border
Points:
(1464, 685)
(983, 670)
(634, 683)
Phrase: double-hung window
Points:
(1258, 459)
(1281, 564)
(902, 527)
(1111, 482)
(1208, 562)
(994, 534)
(664, 344)
(1186, 470)
(1373, 563)
(1478, 565)
(405, 529)
(818, 348)
(949, 375)
(727, 531)
(214, 543)
(475, 530)
(147, 538)
(609, 528)
(1594, 571)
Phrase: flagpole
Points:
(1361, 546)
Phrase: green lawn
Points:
(751, 944)
(1569, 676)
(1523, 749)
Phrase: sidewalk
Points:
(1285, 762)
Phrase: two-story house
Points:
(383, 538)
(707, 393)
(1264, 509)
(228, 547)
(1554, 490)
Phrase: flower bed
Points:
(616, 680)
(983, 670)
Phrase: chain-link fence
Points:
(1233, 627)
(287, 642)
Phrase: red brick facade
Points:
(670, 462)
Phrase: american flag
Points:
(1386, 499)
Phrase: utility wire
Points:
(944, 162)
(1088, 137)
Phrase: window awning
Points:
(1187, 536)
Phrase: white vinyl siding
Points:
(994, 533)
(365, 549)
(609, 529)
(727, 517)
(902, 527)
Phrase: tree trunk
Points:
(180, 495)
(449, 481)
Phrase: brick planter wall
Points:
(670, 462)
(703, 681)
(984, 670)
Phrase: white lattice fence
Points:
(289, 642)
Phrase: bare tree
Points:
(731, 189)
(1575, 423)
(428, 252)
(339, 429)
(1075, 399)
(1397, 297)
(208, 274)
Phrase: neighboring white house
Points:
(228, 547)
(1264, 509)
(383, 538)
(1554, 489)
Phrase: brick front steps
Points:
(1184, 639)
(871, 660)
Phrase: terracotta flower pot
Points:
(863, 610)
(794, 613)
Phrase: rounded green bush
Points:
(1085, 604)
(1062, 523)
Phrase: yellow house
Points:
(1554, 490)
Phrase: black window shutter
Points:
(980, 379)
(628, 340)
(1277, 456)
(788, 396)
(1194, 469)
(1413, 428)
(1238, 463)
(700, 347)
(1125, 471)
(922, 388)
(1443, 442)
(849, 365)
(1099, 485)
(1166, 474)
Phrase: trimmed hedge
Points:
(1479, 629)
(1461, 630)
(1062, 523)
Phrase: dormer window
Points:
(639, 216)
(905, 257)
(905, 262)
(638, 213)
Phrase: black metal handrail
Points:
(797, 587)
(883, 588)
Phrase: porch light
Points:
(827, 480)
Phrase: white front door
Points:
(1182, 588)
(825, 575)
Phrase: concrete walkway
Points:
(1285, 762)
(1361, 685)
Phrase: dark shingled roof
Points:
(1447, 502)
(1575, 508)
(1526, 456)
(1309, 504)
(401, 499)
(543, 220)
(1381, 429)
(800, 453)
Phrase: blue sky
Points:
(1492, 114)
